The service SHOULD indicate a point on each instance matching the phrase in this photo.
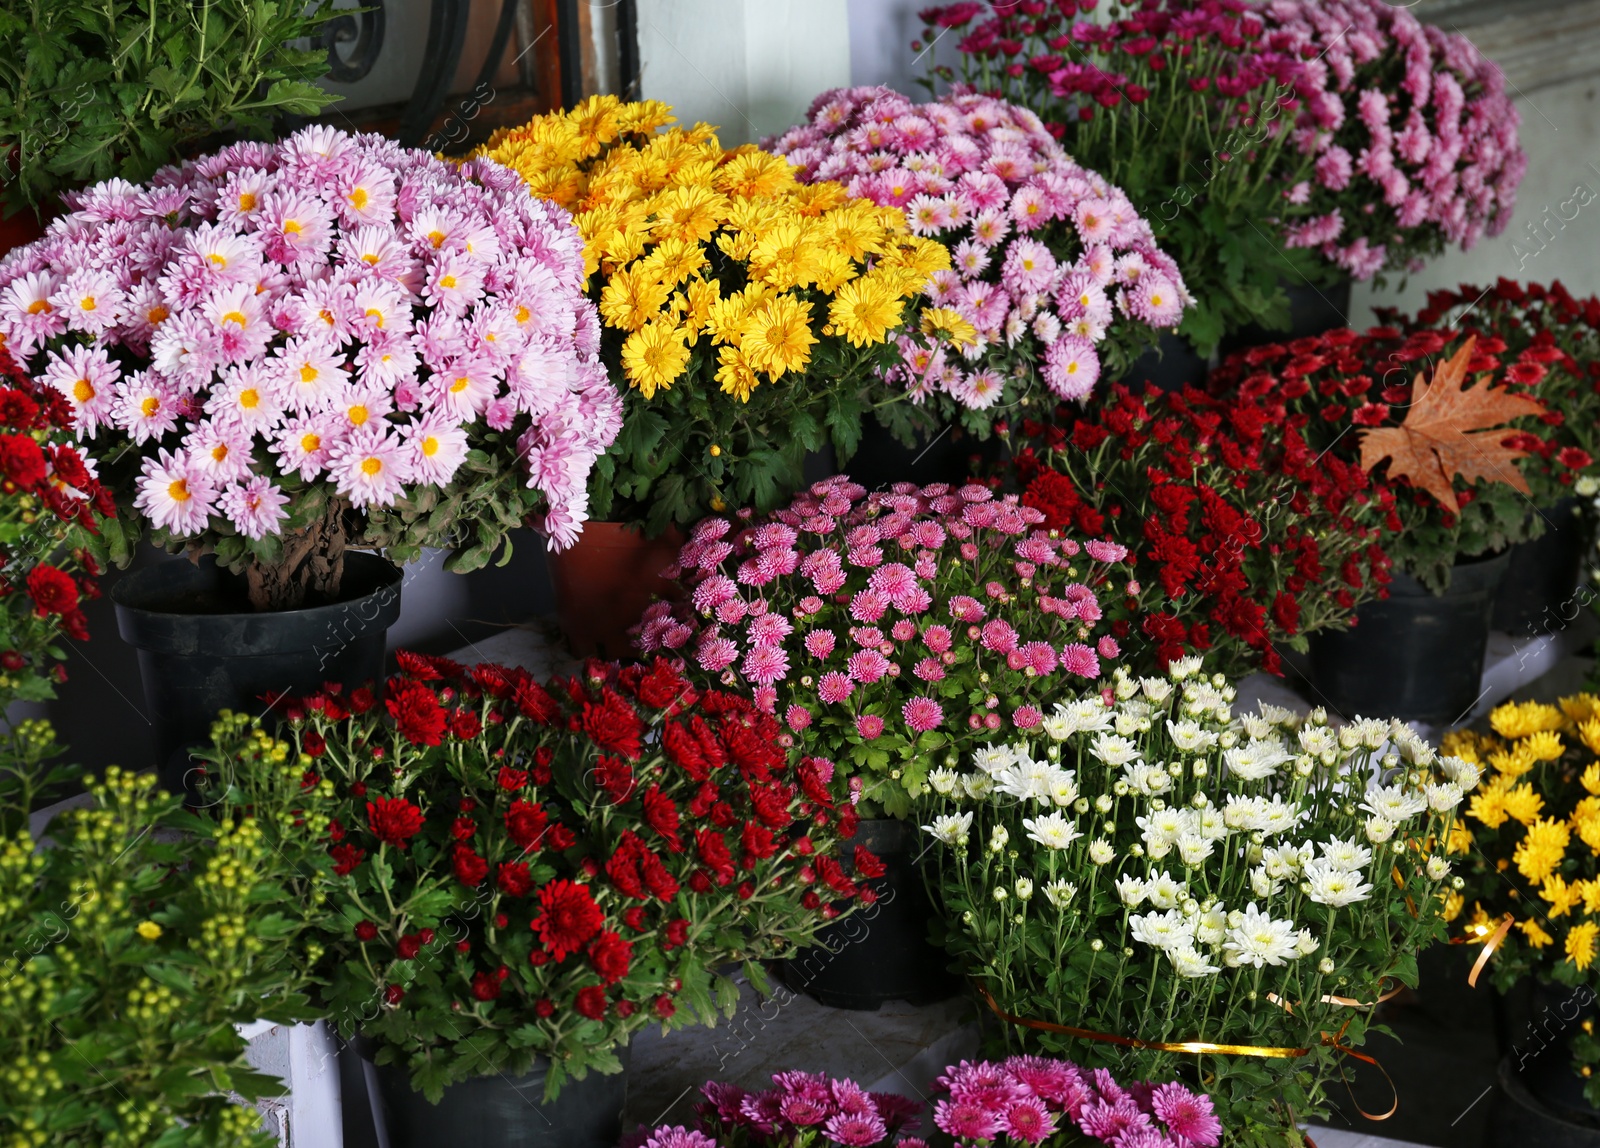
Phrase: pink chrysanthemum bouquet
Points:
(892, 630)
(267, 347)
(1413, 138)
(1056, 275)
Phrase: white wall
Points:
(751, 67)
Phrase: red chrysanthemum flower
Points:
(469, 868)
(568, 917)
(53, 591)
(612, 724)
(394, 820)
(528, 825)
(611, 956)
(345, 858)
(513, 879)
(21, 460)
(485, 986)
(591, 1002)
(416, 712)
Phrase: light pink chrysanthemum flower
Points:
(175, 494)
(255, 507)
(88, 378)
(369, 467)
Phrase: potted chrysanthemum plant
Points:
(1440, 425)
(1174, 893)
(282, 357)
(890, 631)
(1057, 280)
(748, 313)
(1550, 342)
(511, 880)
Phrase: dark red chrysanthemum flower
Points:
(345, 858)
(612, 724)
(469, 868)
(513, 879)
(591, 1002)
(394, 820)
(568, 917)
(53, 591)
(416, 712)
(528, 825)
(611, 956)
(485, 986)
(21, 460)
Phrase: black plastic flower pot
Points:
(498, 1111)
(1312, 311)
(202, 649)
(1416, 656)
(1540, 592)
(1171, 365)
(881, 952)
(1523, 1119)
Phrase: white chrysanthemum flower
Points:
(1193, 849)
(1243, 812)
(1188, 962)
(1164, 931)
(1262, 883)
(943, 781)
(1260, 940)
(1278, 716)
(991, 759)
(1157, 690)
(1146, 779)
(1370, 733)
(1163, 891)
(1443, 797)
(1053, 831)
(1414, 749)
(1101, 851)
(1024, 888)
(1463, 773)
(999, 837)
(1183, 668)
(1060, 893)
(1063, 786)
(1131, 891)
(1306, 943)
(1438, 868)
(1282, 862)
(1087, 715)
(1380, 829)
(1256, 759)
(1318, 739)
(1113, 749)
(1058, 726)
(951, 828)
(1025, 780)
(1334, 886)
(1127, 725)
(1208, 822)
(1277, 816)
(1256, 726)
(978, 785)
(1190, 736)
(1394, 803)
(1211, 926)
(1346, 855)
(1163, 825)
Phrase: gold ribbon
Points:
(1336, 1041)
(1345, 1002)
(1489, 947)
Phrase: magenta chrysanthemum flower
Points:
(855, 1130)
(937, 639)
(1102, 551)
(255, 507)
(679, 1137)
(715, 654)
(764, 665)
(965, 608)
(965, 1120)
(1080, 660)
(834, 687)
(868, 605)
(867, 666)
(820, 643)
(768, 629)
(998, 637)
(922, 714)
(1026, 717)
(869, 726)
(1029, 1120)
(797, 717)
(1186, 1114)
(175, 494)
(713, 592)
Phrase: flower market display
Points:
(1551, 344)
(1529, 846)
(283, 350)
(1056, 276)
(1021, 1100)
(515, 871)
(750, 314)
(1411, 135)
(1243, 536)
(1177, 103)
(1437, 419)
(1252, 884)
(893, 630)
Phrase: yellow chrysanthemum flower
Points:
(1523, 804)
(1519, 719)
(1580, 944)
(644, 116)
(1545, 745)
(1541, 850)
(1488, 805)
(693, 213)
(865, 311)
(734, 374)
(947, 325)
(655, 356)
(1450, 904)
(1591, 778)
(776, 337)
(1460, 839)
(751, 173)
(1463, 743)
(632, 298)
(1580, 708)
(1585, 821)
(1590, 891)
(1561, 897)
(1537, 937)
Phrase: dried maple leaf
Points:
(1452, 430)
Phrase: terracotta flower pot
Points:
(604, 583)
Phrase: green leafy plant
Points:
(514, 873)
(89, 91)
(1151, 868)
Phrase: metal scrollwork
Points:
(353, 39)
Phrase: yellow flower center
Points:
(308, 373)
(236, 317)
(374, 313)
(291, 227)
(250, 399)
(247, 201)
(310, 443)
(83, 390)
(217, 260)
(326, 316)
(436, 238)
(371, 466)
(86, 303)
(523, 314)
(150, 406)
(358, 415)
(220, 452)
(358, 198)
(448, 281)
(430, 446)
(1155, 300)
(459, 385)
(370, 258)
(178, 490)
(39, 306)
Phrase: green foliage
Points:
(89, 91)
(132, 946)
